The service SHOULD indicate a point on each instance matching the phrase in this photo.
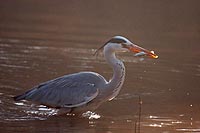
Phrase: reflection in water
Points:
(188, 130)
(157, 121)
(43, 40)
(91, 115)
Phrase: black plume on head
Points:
(113, 40)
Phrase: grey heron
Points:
(83, 91)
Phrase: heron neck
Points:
(117, 80)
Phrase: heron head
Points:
(122, 44)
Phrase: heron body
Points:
(83, 91)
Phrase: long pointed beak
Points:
(138, 49)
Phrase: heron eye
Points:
(124, 45)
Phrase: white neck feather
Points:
(116, 82)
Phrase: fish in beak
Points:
(141, 51)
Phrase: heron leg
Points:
(64, 111)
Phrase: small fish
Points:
(144, 53)
(154, 55)
(152, 52)
(140, 54)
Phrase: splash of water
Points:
(91, 115)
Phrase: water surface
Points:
(42, 40)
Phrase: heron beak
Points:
(137, 49)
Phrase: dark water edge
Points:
(42, 40)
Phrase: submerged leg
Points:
(64, 111)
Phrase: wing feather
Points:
(67, 91)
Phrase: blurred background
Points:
(42, 40)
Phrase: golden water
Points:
(41, 40)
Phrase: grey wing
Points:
(68, 91)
